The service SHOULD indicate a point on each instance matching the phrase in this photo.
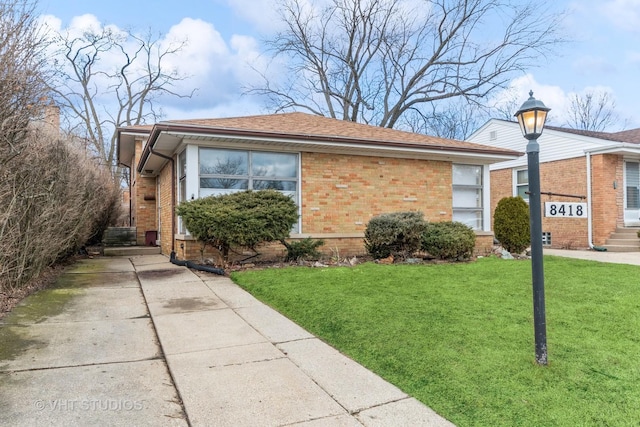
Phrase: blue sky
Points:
(225, 37)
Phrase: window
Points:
(467, 195)
(546, 238)
(225, 171)
(522, 183)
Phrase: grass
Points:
(459, 337)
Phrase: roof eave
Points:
(488, 155)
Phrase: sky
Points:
(225, 39)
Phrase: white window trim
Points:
(193, 177)
(515, 182)
(486, 196)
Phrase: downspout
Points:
(173, 197)
(589, 209)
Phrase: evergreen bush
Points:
(449, 240)
(511, 224)
(398, 234)
(242, 219)
(306, 249)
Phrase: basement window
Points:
(546, 238)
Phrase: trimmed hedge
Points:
(449, 240)
(306, 249)
(242, 219)
(398, 234)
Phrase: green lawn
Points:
(459, 337)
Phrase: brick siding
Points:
(143, 203)
(340, 194)
(570, 177)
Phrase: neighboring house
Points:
(597, 173)
(340, 174)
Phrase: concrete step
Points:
(119, 236)
(618, 248)
(618, 235)
(624, 242)
(624, 239)
(131, 250)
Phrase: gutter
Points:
(148, 149)
(228, 132)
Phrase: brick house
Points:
(340, 174)
(597, 171)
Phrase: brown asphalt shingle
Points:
(308, 125)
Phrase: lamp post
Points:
(531, 117)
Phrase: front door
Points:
(632, 193)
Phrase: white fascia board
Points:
(361, 148)
(619, 148)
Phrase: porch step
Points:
(614, 248)
(131, 250)
(624, 240)
(119, 236)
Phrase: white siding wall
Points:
(554, 145)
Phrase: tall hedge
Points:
(511, 224)
(242, 219)
(53, 200)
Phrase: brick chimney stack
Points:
(52, 116)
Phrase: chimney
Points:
(52, 116)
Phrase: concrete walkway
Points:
(140, 341)
(614, 257)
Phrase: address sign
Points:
(565, 210)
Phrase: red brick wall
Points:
(165, 203)
(607, 202)
(570, 177)
(342, 193)
(143, 203)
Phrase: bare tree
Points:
(456, 119)
(375, 60)
(22, 75)
(594, 110)
(52, 198)
(98, 95)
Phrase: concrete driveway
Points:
(139, 341)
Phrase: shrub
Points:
(303, 249)
(242, 219)
(511, 224)
(449, 240)
(53, 200)
(398, 234)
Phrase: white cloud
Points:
(202, 44)
(262, 15)
(554, 97)
(214, 68)
(624, 14)
(217, 70)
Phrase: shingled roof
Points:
(309, 126)
(632, 135)
(300, 130)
